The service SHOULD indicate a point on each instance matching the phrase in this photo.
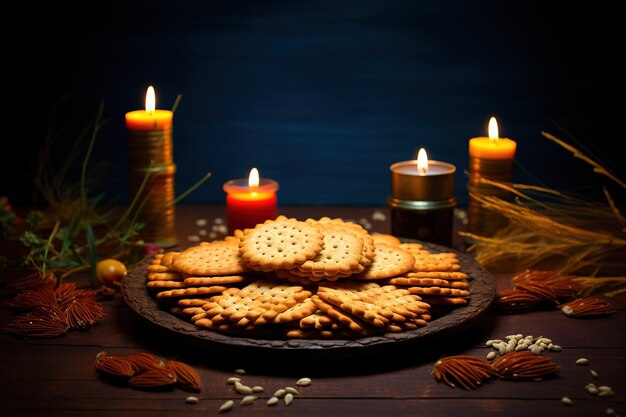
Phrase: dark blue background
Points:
(320, 95)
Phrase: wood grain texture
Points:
(57, 377)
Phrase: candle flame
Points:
(150, 100)
(493, 129)
(422, 161)
(253, 178)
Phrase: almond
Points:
(153, 378)
(143, 361)
(186, 377)
(114, 366)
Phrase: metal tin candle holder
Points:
(481, 220)
(422, 204)
(150, 154)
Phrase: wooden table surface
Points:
(57, 377)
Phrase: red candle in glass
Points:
(250, 201)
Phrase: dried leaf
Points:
(588, 307)
(41, 322)
(466, 371)
(524, 365)
(38, 297)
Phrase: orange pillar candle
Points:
(490, 158)
(150, 159)
(250, 201)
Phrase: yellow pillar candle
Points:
(150, 118)
(490, 158)
(150, 154)
(492, 147)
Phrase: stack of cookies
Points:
(317, 278)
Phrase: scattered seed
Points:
(243, 389)
(191, 400)
(280, 393)
(257, 389)
(240, 372)
(556, 348)
(594, 374)
(609, 412)
(193, 238)
(248, 399)
(232, 380)
(272, 401)
(288, 398)
(606, 394)
(379, 216)
(566, 401)
(591, 389)
(303, 382)
(226, 406)
(292, 390)
(604, 388)
(491, 355)
(582, 361)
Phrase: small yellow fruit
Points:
(110, 272)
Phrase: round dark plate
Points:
(482, 294)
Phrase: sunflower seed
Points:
(243, 389)
(226, 406)
(594, 374)
(272, 401)
(240, 372)
(292, 390)
(606, 394)
(191, 400)
(288, 398)
(303, 382)
(491, 355)
(582, 361)
(566, 401)
(280, 393)
(232, 380)
(248, 399)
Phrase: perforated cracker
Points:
(215, 258)
(340, 255)
(389, 261)
(280, 244)
(385, 238)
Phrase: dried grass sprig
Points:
(597, 168)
